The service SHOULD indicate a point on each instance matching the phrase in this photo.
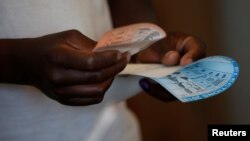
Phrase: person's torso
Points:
(32, 18)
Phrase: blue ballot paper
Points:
(202, 79)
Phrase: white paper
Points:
(149, 70)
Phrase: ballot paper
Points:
(199, 80)
(131, 38)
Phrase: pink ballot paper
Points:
(132, 38)
(200, 80)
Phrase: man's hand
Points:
(180, 49)
(62, 65)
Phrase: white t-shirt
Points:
(29, 115)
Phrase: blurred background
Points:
(225, 26)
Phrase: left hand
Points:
(180, 49)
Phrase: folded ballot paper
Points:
(200, 80)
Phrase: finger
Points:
(85, 60)
(176, 40)
(62, 76)
(73, 101)
(171, 58)
(156, 90)
(84, 91)
(81, 101)
(193, 50)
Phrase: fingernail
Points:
(172, 55)
(128, 57)
(186, 61)
(171, 58)
(119, 56)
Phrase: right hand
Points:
(64, 67)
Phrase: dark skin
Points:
(64, 67)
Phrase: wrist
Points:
(12, 70)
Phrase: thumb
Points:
(156, 90)
(77, 40)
